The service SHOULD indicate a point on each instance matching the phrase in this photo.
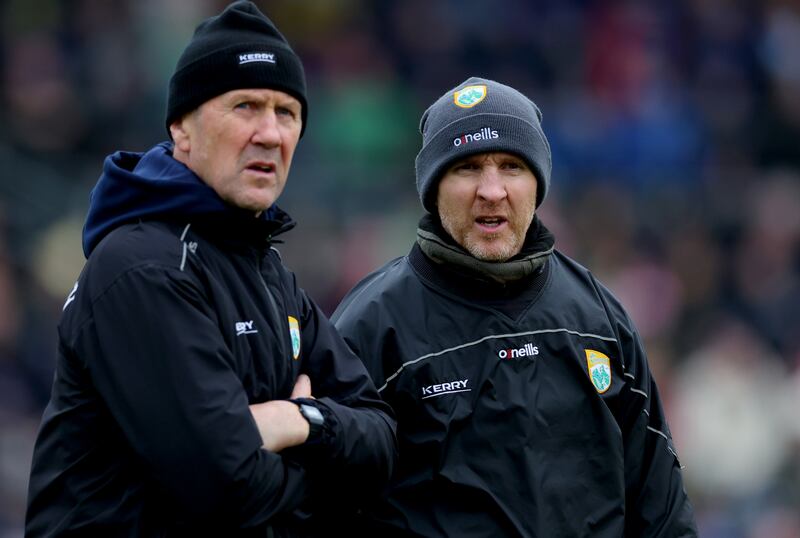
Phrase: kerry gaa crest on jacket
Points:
(599, 370)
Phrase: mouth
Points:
(490, 223)
(262, 167)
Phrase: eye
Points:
(514, 165)
(465, 166)
(244, 105)
(285, 111)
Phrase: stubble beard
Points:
(485, 247)
(492, 247)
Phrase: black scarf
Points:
(437, 244)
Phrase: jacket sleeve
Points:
(157, 358)
(656, 504)
(359, 449)
(359, 322)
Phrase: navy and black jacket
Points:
(182, 317)
(523, 410)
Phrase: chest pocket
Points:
(265, 353)
(541, 390)
(439, 394)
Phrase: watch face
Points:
(312, 414)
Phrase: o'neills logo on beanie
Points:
(484, 134)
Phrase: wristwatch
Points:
(315, 419)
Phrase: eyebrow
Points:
(244, 94)
(476, 158)
(252, 96)
(289, 103)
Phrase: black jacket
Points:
(503, 427)
(181, 318)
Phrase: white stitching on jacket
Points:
(492, 337)
(183, 236)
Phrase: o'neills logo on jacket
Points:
(484, 134)
(528, 350)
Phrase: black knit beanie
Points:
(477, 116)
(239, 48)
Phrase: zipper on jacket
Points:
(273, 305)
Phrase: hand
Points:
(279, 421)
(302, 387)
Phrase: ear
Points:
(181, 134)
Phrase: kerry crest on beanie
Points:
(480, 115)
(239, 48)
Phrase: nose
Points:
(492, 186)
(266, 131)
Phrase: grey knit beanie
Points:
(477, 116)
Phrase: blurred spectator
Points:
(779, 123)
(766, 260)
(731, 423)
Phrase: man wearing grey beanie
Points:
(199, 391)
(524, 399)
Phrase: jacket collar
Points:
(242, 229)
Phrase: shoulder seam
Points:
(114, 282)
(375, 278)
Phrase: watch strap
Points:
(315, 418)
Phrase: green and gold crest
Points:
(294, 333)
(599, 370)
(469, 96)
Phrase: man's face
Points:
(241, 144)
(486, 203)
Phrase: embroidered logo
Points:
(484, 134)
(440, 389)
(294, 334)
(245, 327)
(599, 370)
(265, 57)
(70, 297)
(469, 96)
(528, 350)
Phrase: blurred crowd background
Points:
(675, 129)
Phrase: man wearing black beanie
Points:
(198, 390)
(524, 400)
